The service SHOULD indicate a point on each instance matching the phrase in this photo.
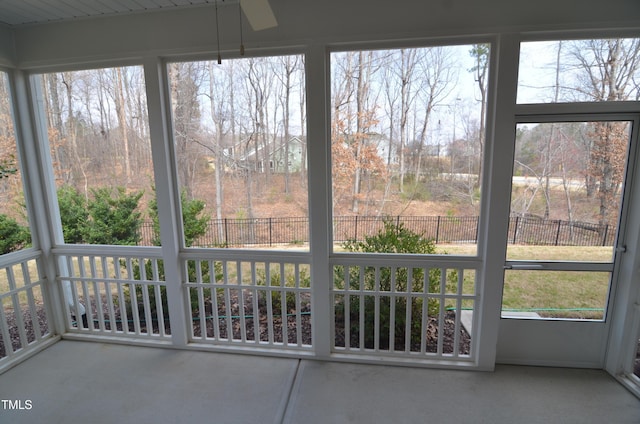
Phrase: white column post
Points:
(167, 193)
(40, 190)
(319, 154)
(496, 195)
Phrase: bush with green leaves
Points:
(392, 238)
(13, 236)
(114, 218)
(108, 216)
(194, 219)
(195, 222)
(73, 214)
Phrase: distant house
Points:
(387, 151)
(274, 155)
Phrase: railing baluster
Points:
(392, 310)
(241, 312)
(425, 310)
(376, 310)
(283, 306)
(298, 306)
(255, 306)
(86, 295)
(4, 329)
(227, 299)
(17, 310)
(214, 300)
(347, 309)
(269, 296)
(35, 324)
(146, 302)
(441, 300)
(408, 311)
(96, 290)
(458, 317)
(107, 287)
(159, 299)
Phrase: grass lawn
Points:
(557, 294)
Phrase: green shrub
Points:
(393, 238)
(13, 236)
(194, 222)
(108, 217)
(114, 218)
(73, 214)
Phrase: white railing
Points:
(121, 291)
(261, 301)
(399, 308)
(24, 309)
(403, 307)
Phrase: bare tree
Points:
(77, 163)
(9, 172)
(606, 70)
(288, 67)
(480, 69)
(219, 88)
(185, 82)
(438, 74)
(409, 59)
(355, 157)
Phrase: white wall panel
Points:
(302, 21)
(7, 53)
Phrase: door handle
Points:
(524, 266)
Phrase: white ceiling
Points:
(21, 12)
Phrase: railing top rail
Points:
(108, 250)
(19, 256)
(246, 254)
(398, 259)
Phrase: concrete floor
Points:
(82, 382)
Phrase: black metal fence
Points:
(559, 233)
(442, 229)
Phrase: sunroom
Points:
(417, 199)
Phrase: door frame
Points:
(562, 342)
(625, 312)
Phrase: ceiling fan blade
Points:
(259, 14)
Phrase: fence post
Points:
(558, 232)
(437, 229)
(477, 224)
(356, 229)
(606, 233)
(270, 232)
(515, 230)
(226, 233)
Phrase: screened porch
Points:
(376, 213)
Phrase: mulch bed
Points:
(31, 323)
(230, 321)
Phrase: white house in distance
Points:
(258, 156)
